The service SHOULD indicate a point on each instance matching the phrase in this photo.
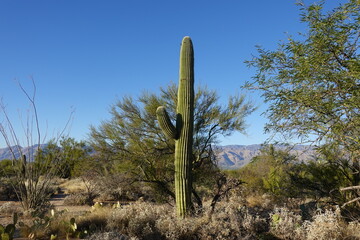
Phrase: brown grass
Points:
(73, 186)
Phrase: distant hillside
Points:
(228, 157)
(237, 156)
(5, 153)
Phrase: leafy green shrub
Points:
(7, 168)
(268, 173)
(321, 178)
(6, 190)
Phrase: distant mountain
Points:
(237, 156)
(228, 157)
(6, 153)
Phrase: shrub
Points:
(323, 226)
(6, 190)
(285, 224)
(149, 221)
(77, 199)
(327, 225)
(7, 168)
(232, 220)
(119, 187)
(138, 219)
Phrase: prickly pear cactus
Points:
(182, 132)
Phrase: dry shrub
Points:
(330, 225)
(149, 221)
(231, 220)
(285, 224)
(118, 187)
(353, 230)
(323, 226)
(171, 227)
(138, 220)
(77, 199)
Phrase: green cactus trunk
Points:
(182, 133)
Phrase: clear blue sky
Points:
(86, 54)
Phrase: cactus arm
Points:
(165, 123)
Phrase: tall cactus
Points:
(182, 133)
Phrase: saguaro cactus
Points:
(182, 132)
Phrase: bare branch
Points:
(352, 201)
(350, 188)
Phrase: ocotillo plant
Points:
(182, 132)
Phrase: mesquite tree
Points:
(133, 144)
(312, 84)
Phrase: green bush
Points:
(7, 168)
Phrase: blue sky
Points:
(84, 55)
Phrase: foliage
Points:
(322, 178)
(7, 191)
(312, 84)
(66, 154)
(268, 173)
(7, 168)
(282, 175)
(133, 142)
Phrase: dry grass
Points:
(9, 208)
(236, 217)
(73, 186)
(263, 201)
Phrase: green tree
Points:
(323, 175)
(133, 141)
(312, 85)
(269, 172)
(7, 168)
(67, 154)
